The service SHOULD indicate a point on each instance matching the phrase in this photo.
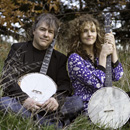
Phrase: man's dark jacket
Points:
(23, 58)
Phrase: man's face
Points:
(43, 36)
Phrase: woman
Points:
(87, 57)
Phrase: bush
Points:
(4, 49)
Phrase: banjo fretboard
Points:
(47, 58)
(108, 80)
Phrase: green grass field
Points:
(13, 122)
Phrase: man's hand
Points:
(50, 105)
(31, 104)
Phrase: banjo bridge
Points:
(108, 110)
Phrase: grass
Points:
(14, 122)
(4, 49)
(124, 82)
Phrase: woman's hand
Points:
(109, 44)
(110, 39)
(108, 48)
(31, 104)
(50, 105)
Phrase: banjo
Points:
(109, 107)
(39, 86)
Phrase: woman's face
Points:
(88, 34)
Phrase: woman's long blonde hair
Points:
(71, 36)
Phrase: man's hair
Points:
(49, 19)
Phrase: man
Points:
(27, 57)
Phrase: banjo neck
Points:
(108, 80)
(46, 60)
(47, 57)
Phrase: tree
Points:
(120, 10)
(123, 33)
(16, 16)
(22, 13)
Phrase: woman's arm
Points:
(79, 70)
(108, 48)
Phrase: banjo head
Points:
(38, 86)
(109, 107)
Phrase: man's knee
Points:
(8, 104)
(5, 103)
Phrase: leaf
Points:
(54, 5)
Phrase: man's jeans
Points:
(69, 111)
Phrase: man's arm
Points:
(10, 75)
